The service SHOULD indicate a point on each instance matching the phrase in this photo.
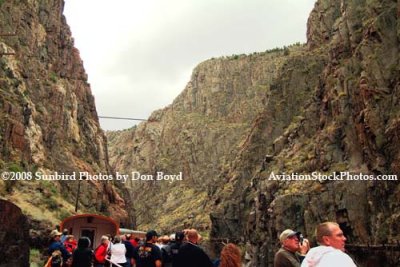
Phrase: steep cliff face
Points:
(197, 135)
(48, 119)
(325, 108)
(348, 122)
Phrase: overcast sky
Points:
(139, 54)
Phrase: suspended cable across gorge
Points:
(120, 118)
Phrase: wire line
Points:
(120, 118)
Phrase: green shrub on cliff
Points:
(53, 76)
(10, 183)
(14, 167)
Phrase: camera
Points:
(300, 237)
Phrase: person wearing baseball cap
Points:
(148, 254)
(151, 234)
(290, 244)
(56, 244)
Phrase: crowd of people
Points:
(182, 250)
(177, 250)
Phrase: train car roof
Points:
(88, 215)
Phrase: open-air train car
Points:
(91, 225)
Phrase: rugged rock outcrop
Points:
(347, 123)
(14, 248)
(48, 119)
(196, 136)
(326, 108)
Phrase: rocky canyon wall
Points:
(327, 107)
(48, 118)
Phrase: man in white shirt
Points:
(330, 253)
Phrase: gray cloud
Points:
(140, 59)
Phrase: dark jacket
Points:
(285, 258)
(193, 256)
(83, 255)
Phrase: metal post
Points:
(77, 193)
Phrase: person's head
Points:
(104, 239)
(230, 256)
(83, 242)
(172, 237)
(70, 238)
(193, 236)
(65, 231)
(117, 239)
(179, 236)
(330, 234)
(55, 235)
(164, 240)
(56, 258)
(290, 240)
(151, 236)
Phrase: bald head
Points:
(193, 236)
